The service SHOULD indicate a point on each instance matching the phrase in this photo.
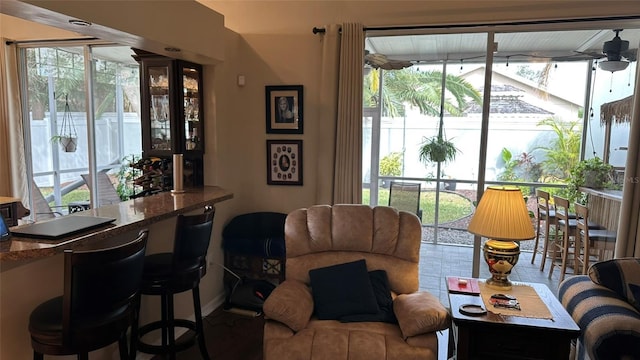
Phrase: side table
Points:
(492, 336)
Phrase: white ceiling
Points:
(558, 45)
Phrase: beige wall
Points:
(270, 43)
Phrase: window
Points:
(105, 125)
(545, 88)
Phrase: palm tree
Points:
(421, 89)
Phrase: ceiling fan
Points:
(380, 61)
(616, 49)
(617, 54)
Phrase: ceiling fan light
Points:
(613, 66)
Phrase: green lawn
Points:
(75, 195)
(452, 206)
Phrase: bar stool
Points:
(166, 274)
(563, 246)
(546, 213)
(98, 302)
(589, 239)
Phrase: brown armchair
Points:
(323, 236)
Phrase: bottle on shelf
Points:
(192, 142)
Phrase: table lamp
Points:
(501, 217)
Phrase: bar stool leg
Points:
(171, 327)
(535, 245)
(199, 324)
(163, 318)
(565, 255)
(122, 346)
(547, 240)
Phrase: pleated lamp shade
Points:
(502, 215)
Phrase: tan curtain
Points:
(12, 160)
(348, 157)
(628, 240)
(328, 108)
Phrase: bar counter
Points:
(131, 215)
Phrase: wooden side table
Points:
(493, 336)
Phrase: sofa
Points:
(333, 254)
(605, 303)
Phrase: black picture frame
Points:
(290, 120)
(284, 162)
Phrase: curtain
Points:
(12, 160)
(328, 108)
(347, 187)
(629, 225)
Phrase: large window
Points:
(82, 119)
(540, 114)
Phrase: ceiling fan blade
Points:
(396, 65)
(380, 61)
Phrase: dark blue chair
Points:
(254, 245)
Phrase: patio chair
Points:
(107, 193)
(42, 210)
(405, 196)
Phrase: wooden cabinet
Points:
(172, 111)
(12, 209)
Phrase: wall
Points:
(271, 43)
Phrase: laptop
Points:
(61, 227)
(4, 229)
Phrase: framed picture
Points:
(284, 109)
(284, 162)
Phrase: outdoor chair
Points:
(405, 196)
(42, 210)
(107, 193)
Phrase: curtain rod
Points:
(18, 42)
(317, 30)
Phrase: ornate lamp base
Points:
(501, 256)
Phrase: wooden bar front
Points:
(604, 206)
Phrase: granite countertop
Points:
(130, 215)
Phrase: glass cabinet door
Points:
(191, 83)
(160, 110)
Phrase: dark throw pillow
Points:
(382, 292)
(343, 289)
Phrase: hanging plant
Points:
(68, 137)
(437, 149)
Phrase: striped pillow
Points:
(621, 276)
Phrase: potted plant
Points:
(592, 173)
(68, 143)
(68, 138)
(437, 149)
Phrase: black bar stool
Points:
(166, 274)
(98, 303)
